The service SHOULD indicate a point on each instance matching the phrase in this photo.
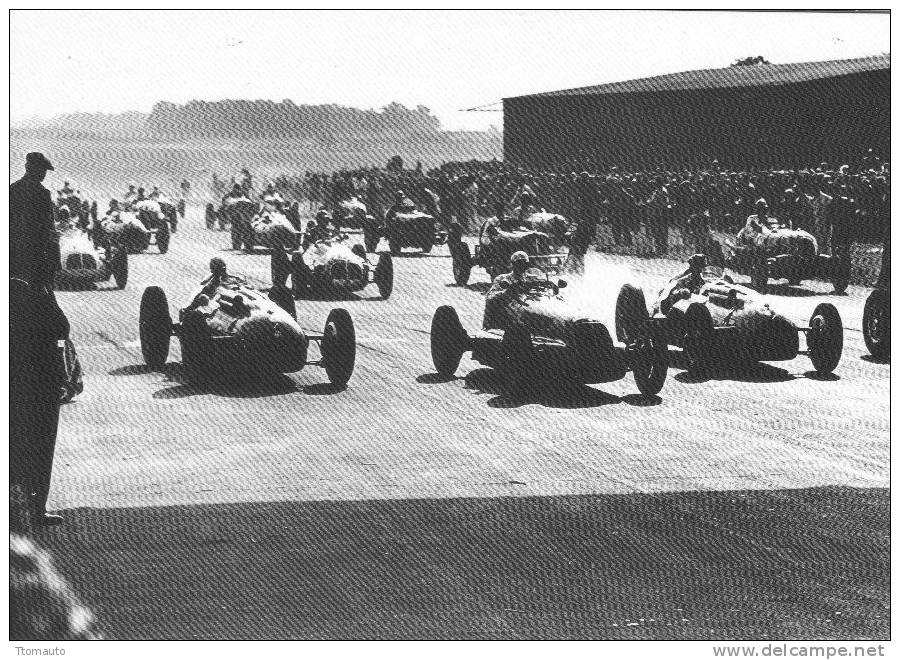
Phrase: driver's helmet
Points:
(697, 261)
(518, 262)
(323, 217)
(217, 266)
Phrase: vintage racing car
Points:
(156, 224)
(82, 263)
(727, 322)
(407, 228)
(231, 331)
(494, 248)
(781, 253)
(126, 229)
(555, 226)
(534, 331)
(330, 265)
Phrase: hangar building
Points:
(764, 115)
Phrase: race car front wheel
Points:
(825, 338)
(339, 346)
(519, 358)
(877, 324)
(118, 266)
(162, 237)
(154, 326)
(462, 263)
(631, 313)
(650, 364)
(698, 336)
(448, 340)
(384, 275)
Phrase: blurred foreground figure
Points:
(42, 606)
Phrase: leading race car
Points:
(408, 227)
(81, 263)
(726, 322)
(330, 265)
(496, 245)
(229, 330)
(530, 330)
(156, 222)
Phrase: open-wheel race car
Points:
(494, 248)
(353, 213)
(555, 226)
(231, 331)
(782, 253)
(82, 263)
(723, 322)
(404, 229)
(143, 223)
(531, 331)
(331, 265)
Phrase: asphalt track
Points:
(746, 505)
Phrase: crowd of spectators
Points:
(655, 201)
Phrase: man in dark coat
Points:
(38, 329)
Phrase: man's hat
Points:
(37, 160)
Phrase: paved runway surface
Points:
(745, 505)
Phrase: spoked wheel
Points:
(631, 314)
(650, 363)
(163, 235)
(384, 275)
(697, 340)
(448, 340)
(877, 324)
(825, 338)
(155, 326)
(462, 263)
(339, 346)
(118, 266)
(518, 355)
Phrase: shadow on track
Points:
(677, 565)
(245, 388)
(750, 372)
(545, 392)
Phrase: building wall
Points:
(781, 126)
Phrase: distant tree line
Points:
(268, 119)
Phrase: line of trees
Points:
(269, 119)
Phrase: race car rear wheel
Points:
(448, 340)
(384, 275)
(631, 313)
(650, 364)
(876, 324)
(698, 336)
(279, 268)
(462, 263)
(118, 266)
(339, 346)
(518, 356)
(825, 338)
(154, 326)
(162, 237)
(394, 244)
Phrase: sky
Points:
(113, 61)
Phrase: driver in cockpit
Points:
(686, 284)
(218, 276)
(504, 284)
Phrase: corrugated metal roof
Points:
(758, 75)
